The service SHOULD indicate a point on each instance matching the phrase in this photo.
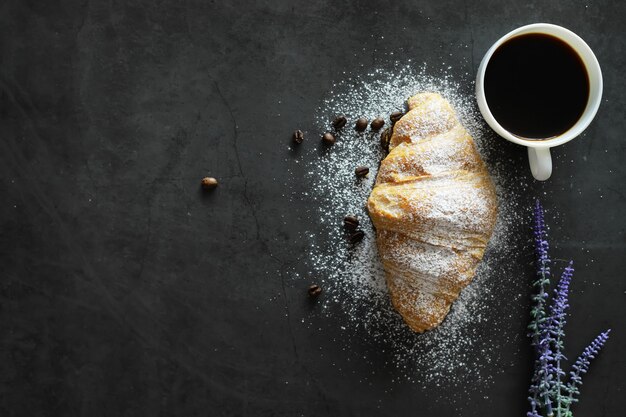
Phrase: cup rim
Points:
(595, 96)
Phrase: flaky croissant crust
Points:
(434, 207)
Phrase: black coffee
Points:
(536, 86)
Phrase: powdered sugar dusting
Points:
(353, 277)
(459, 208)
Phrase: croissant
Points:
(434, 208)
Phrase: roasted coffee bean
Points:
(350, 222)
(361, 124)
(385, 137)
(314, 290)
(298, 136)
(328, 139)
(361, 171)
(395, 116)
(208, 183)
(339, 122)
(356, 237)
(377, 123)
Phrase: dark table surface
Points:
(125, 291)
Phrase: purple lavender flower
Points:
(538, 312)
(539, 330)
(560, 301)
(548, 392)
(581, 366)
(557, 321)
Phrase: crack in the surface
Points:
(188, 27)
(293, 342)
(292, 336)
(616, 191)
(238, 159)
(179, 182)
(469, 23)
(83, 21)
(284, 265)
(92, 277)
(146, 244)
(286, 304)
(176, 162)
(79, 31)
(50, 294)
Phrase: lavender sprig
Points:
(581, 366)
(557, 324)
(548, 392)
(538, 331)
(538, 312)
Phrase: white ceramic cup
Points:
(539, 150)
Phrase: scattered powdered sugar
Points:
(460, 351)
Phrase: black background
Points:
(126, 291)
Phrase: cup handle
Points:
(540, 163)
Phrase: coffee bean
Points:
(361, 171)
(339, 122)
(377, 123)
(356, 237)
(350, 222)
(328, 139)
(298, 136)
(361, 124)
(385, 137)
(314, 290)
(395, 116)
(208, 183)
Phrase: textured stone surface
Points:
(126, 291)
